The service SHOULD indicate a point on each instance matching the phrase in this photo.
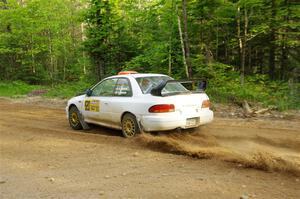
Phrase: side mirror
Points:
(202, 85)
(88, 92)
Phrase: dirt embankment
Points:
(41, 157)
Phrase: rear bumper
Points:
(169, 121)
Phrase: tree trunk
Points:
(65, 61)
(260, 62)
(32, 55)
(170, 60)
(217, 41)
(241, 47)
(182, 45)
(283, 60)
(249, 67)
(83, 54)
(51, 67)
(272, 46)
(284, 57)
(272, 56)
(226, 39)
(99, 69)
(244, 45)
(170, 42)
(186, 39)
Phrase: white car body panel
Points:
(111, 108)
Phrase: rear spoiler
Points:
(201, 86)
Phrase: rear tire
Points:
(130, 126)
(74, 119)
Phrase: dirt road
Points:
(41, 157)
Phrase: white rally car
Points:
(135, 102)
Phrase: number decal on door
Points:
(92, 105)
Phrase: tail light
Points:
(205, 104)
(162, 108)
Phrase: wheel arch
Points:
(69, 108)
(124, 113)
(71, 105)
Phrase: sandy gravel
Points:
(41, 157)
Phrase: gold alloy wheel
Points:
(74, 118)
(129, 127)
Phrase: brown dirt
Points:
(41, 157)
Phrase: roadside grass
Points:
(67, 90)
(279, 95)
(16, 89)
(267, 97)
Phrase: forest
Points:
(246, 49)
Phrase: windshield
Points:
(148, 83)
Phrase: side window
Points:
(105, 88)
(123, 88)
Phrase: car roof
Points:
(137, 75)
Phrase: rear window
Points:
(148, 83)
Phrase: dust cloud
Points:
(258, 153)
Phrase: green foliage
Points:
(38, 40)
(224, 87)
(67, 43)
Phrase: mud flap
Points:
(84, 125)
(140, 127)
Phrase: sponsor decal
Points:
(92, 105)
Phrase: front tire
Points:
(74, 119)
(130, 126)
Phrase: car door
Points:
(96, 107)
(121, 100)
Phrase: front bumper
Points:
(67, 111)
(169, 121)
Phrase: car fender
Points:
(76, 101)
